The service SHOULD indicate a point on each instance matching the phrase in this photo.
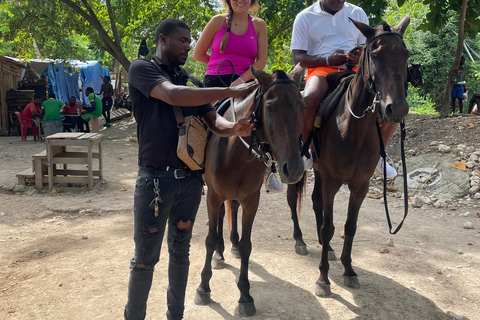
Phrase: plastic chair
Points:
(24, 124)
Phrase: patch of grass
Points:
(418, 104)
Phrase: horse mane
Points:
(385, 26)
(280, 74)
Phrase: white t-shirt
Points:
(320, 34)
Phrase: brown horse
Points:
(233, 173)
(349, 147)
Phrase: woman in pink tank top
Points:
(237, 37)
(234, 36)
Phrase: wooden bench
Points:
(25, 177)
(95, 125)
(58, 153)
(40, 169)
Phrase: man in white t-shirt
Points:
(323, 40)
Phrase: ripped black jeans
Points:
(181, 198)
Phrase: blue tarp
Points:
(65, 80)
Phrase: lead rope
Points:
(404, 168)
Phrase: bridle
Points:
(369, 79)
(264, 153)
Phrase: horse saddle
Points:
(337, 85)
(221, 106)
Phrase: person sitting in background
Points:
(474, 104)
(95, 110)
(107, 101)
(72, 109)
(51, 108)
(241, 39)
(32, 110)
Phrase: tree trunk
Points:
(456, 62)
(112, 47)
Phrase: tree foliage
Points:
(115, 26)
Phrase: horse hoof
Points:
(331, 256)
(301, 250)
(322, 290)
(351, 282)
(202, 298)
(246, 309)
(235, 253)
(218, 263)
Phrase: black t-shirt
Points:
(157, 130)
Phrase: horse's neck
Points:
(243, 107)
(358, 98)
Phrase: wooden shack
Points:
(10, 75)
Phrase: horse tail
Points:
(301, 188)
(228, 208)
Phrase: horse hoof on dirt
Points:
(301, 250)
(351, 282)
(322, 290)
(202, 298)
(235, 253)
(246, 309)
(218, 263)
(331, 256)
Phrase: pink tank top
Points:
(241, 50)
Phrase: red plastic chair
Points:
(27, 123)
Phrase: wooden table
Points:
(58, 152)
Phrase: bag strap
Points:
(176, 110)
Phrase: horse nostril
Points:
(388, 110)
(285, 170)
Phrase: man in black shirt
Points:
(163, 180)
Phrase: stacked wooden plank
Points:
(18, 99)
(40, 86)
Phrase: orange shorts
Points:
(322, 71)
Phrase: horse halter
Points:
(371, 84)
(264, 153)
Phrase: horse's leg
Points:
(300, 245)
(246, 306)
(233, 222)
(357, 195)
(218, 260)
(329, 190)
(318, 209)
(213, 206)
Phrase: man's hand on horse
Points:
(243, 127)
(243, 89)
(354, 54)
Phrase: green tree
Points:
(116, 26)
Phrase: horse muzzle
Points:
(394, 111)
(291, 171)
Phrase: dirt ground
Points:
(67, 256)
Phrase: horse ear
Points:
(262, 77)
(296, 74)
(365, 29)
(402, 26)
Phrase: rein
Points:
(404, 169)
(370, 109)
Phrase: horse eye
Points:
(269, 107)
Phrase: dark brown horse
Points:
(349, 147)
(233, 173)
